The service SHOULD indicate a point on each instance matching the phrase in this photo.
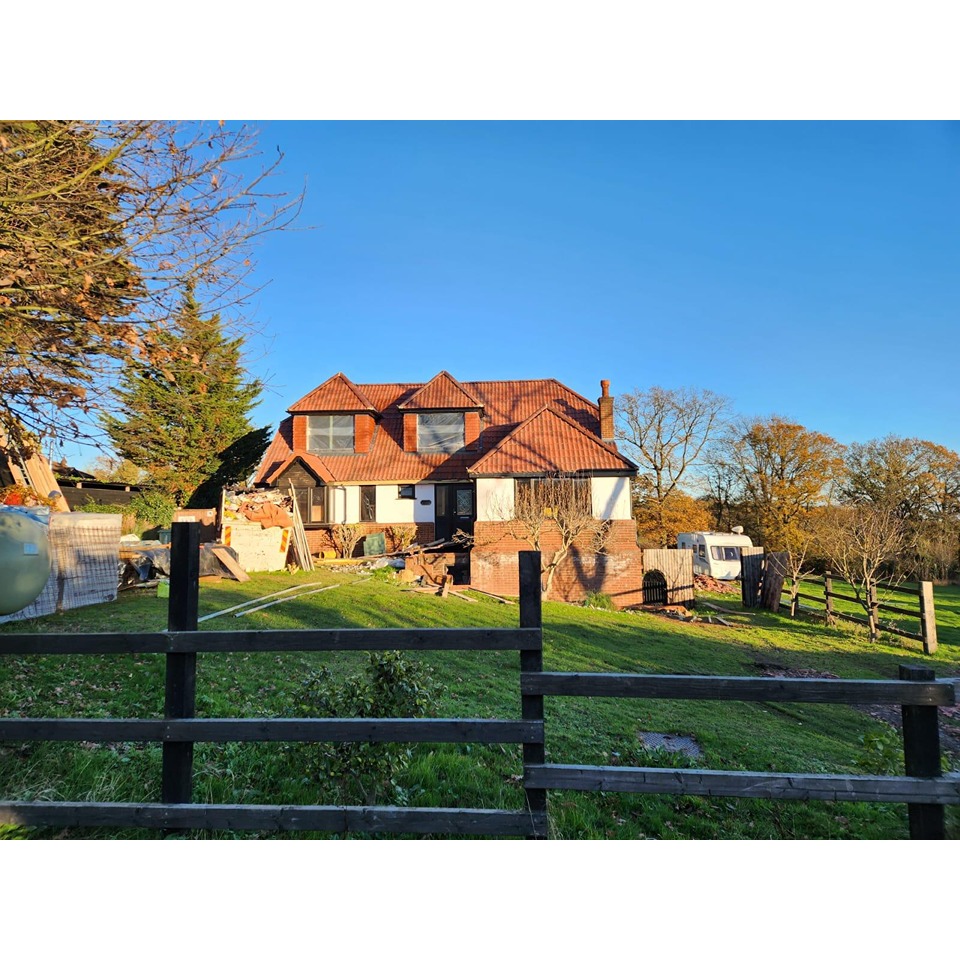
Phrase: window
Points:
(554, 495)
(313, 504)
(701, 551)
(406, 491)
(725, 553)
(368, 504)
(439, 432)
(330, 433)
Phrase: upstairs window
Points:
(440, 432)
(330, 433)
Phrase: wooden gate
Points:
(654, 587)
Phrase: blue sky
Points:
(807, 270)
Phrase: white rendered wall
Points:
(495, 498)
(611, 498)
(390, 508)
(351, 513)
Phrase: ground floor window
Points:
(553, 495)
(314, 504)
(368, 504)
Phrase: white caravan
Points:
(716, 555)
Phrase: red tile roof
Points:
(442, 392)
(336, 395)
(506, 404)
(549, 442)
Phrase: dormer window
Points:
(331, 433)
(440, 432)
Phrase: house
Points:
(445, 456)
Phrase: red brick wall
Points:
(617, 572)
(320, 538)
(471, 429)
(410, 432)
(299, 433)
(362, 433)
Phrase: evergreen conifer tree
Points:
(183, 417)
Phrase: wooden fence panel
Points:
(751, 575)
(677, 569)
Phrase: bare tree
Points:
(102, 226)
(862, 543)
(557, 512)
(667, 432)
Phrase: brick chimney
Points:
(605, 402)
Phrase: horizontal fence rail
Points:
(766, 786)
(779, 689)
(272, 641)
(313, 730)
(264, 818)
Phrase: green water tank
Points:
(24, 559)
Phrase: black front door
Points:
(456, 509)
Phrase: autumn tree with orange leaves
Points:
(103, 225)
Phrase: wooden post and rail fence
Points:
(764, 581)
(925, 789)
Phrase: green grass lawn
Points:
(777, 737)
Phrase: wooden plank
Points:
(495, 596)
(226, 558)
(306, 730)
(279, 641)
(248, 603)
(774, 574)
(762, 689)
(531, 664)
(273, 603)
(770, 786)
(181, 668)
(751, 574)
(928, 619)
(812, 598)
(921, 757)
(461, 596)
(327, 819)
(890, 608)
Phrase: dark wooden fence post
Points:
(181, 680)
(928, 621)
(531, 661)
(921, 758)
(828, 596)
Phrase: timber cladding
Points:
(677, 569)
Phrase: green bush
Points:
(599, 601)
(91, 506)
(153, 508)
(389, 686)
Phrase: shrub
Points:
(346, 536)
(389, 686)
(401, 536)
(599, 601)
(153, 508)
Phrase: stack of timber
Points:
(301, 548)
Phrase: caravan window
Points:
(701, 551)
(725, 553)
